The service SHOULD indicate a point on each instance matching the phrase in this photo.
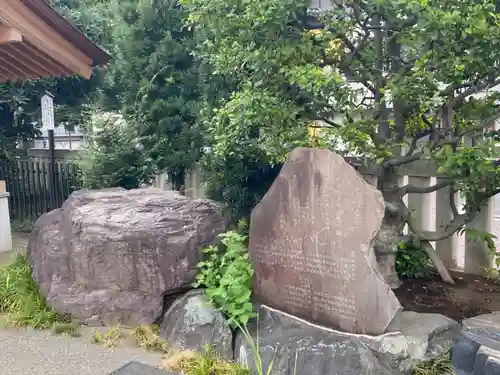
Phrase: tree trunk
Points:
(436, 260)
(391, 231)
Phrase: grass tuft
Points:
(70, 329)
(20, 298)
(147, 337)
(207, 363)
(438, 366)
(109, 338)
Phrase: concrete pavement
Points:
(30, 352)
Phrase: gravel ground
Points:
(29, 352)
(19, 241)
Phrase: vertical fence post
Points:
(38, 189)
(14, 177)
(423, 206)
(46, 188)
(403, 181)
(477, 256)
(429, 208)
(5, 230)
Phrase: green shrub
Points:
(227, 273)
(66, 328)
(115, 158)
(20, 298)
(239, 181)
(412, 261)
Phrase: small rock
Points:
(192, 322)
(429, 335)
(492, 366)
(477, 349)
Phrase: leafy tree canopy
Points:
(114, 159)
(379, 74)
(157, 81)
(396, 81)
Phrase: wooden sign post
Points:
(48, 120)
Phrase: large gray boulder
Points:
(296, 346)
(477, 349)
(192, 322)
(113, 255)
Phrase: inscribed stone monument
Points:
(311, 245)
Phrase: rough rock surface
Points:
(477, 349)
(113, 255)
(137, 368)
(311, 245)
(192, 322)
(316, 350)
(428, 335)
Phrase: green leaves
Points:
(412, 261)
(486, 239)
(377, 90)
(157, 81)
(114, 158)
(227, 276)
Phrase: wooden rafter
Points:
(26, 60)
(15, 16)
(36, 42)
(10, 35)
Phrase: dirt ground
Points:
(471, 296)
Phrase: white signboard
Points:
(48, 112)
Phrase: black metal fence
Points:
(37, 187)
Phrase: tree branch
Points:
(456, 223)
(439, 142)
(453, 206)
(475, 88)
(412, 189)
(355, 48)
(430, 129)
(436, 260)
(452, 88)
(332, 124)
(407, 159)
(483, 124)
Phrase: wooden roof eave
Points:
(36, 45)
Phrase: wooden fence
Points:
(37, 187)
(429, 211)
